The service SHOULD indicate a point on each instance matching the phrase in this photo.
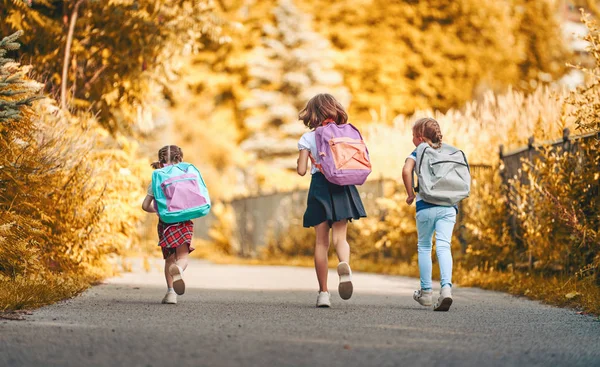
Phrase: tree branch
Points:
(89, 83)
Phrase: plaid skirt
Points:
(173, 235)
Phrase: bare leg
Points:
(345, 287)
(342, 248)
(321, 249)
(168, 262)
(182, 256)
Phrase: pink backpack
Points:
(343, 154)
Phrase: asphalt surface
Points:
(265, 316)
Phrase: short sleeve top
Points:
(413, 156)
(308, 142)
(150, 192)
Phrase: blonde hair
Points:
(429, 129)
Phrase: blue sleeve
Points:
(413, 155)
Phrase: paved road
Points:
(265, 316)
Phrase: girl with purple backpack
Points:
(330, 205)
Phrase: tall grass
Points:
(478, 129)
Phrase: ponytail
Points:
(429, 129)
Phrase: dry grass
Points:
(69, 196)
(580, 293)
(479, 128)
(27, 293)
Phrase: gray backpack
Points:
(444, 176)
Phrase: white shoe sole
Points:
(444, 305)
(345, 288)
(178, 283)
(324, 305)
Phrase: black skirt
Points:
(331, 203)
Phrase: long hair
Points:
(169, 154)
(320, 108)
(429, 129)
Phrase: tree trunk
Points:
(64, 80)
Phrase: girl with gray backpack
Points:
(444, 179)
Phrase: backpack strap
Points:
(312, 159)
(314, 163)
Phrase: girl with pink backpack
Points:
(174, 239)
(340, 161)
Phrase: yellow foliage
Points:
(486, 229)
(222, 234)
(558, 209)
(411, 55)
(120, 51)
(67, 197)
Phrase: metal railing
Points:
(511, 170)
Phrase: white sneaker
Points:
(423, 297)
(345, 287)
(170, 298)
(178, 283)
(444, 300)
(323, 299)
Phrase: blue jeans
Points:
(440, 219)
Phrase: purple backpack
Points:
(343, 154)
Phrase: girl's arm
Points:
(302, 162)
(147, 204)
(407, 172)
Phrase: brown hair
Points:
(320, 108)
(167, 155)
(429, 129)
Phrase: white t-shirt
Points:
(309, 142)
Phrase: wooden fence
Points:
(512, 161)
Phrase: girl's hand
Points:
(410, 199)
